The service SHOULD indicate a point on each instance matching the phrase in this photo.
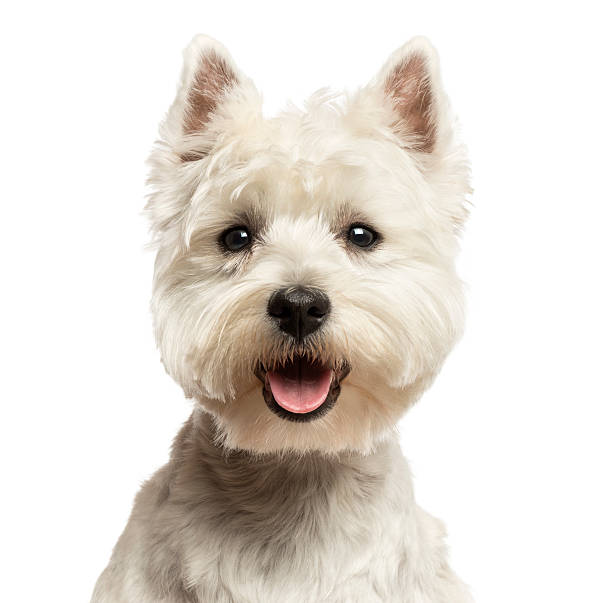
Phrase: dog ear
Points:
(213, 102)
(410, 84)
(208, 80)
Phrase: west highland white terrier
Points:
(305, 296)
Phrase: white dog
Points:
(305, 296)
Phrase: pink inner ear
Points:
(211, 82)
(410, 89)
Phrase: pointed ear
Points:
(410, 82)
(209, 77)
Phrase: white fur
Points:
(195, 533)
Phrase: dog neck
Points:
(273, 515)
(286, 487)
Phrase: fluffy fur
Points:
(253, 507)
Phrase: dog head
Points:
(305, 292)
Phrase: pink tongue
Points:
(300, 387)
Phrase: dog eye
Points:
(236, 239)
(361, 236)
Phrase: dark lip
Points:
(339, 374)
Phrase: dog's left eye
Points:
(236, 239)
(361, 236)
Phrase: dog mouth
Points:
(301, 389)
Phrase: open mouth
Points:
(301, 389)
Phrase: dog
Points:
(305, 295)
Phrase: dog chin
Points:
(302, 389)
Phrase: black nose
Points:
(298, 311)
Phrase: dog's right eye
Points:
(236, 238)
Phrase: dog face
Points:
(305, 291)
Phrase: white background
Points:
(511, 446)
